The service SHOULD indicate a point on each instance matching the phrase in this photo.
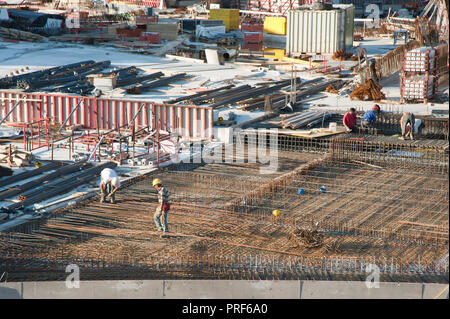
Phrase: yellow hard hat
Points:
(156, 181)
(37, 164)
(276, 212)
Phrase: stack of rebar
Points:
(204, 94)
(83, 174)
(149, 85)
(12, 82)
(308, 119)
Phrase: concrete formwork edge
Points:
(221, 289)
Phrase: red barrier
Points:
(188, 120)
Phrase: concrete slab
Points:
(109, 289)
(438, 291)
(359, 290)
(229, 289)
(221, 289)
(127, 289)
(11, 290)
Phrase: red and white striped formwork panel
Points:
(189, 121)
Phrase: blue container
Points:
(301, 191)
(322, 189)
(150, 12)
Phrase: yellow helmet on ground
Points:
(156, 181)
(276, 212)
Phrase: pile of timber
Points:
(370, 90)
(15, 34)
(308, 119)
(12, 156)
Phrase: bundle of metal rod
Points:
(319, 87)
(222, 93)
(325, 117)
(157, 83)
(11, 82)
(254, 92)
(53, 189)
(124, 72)
(20, 189)
(278, 100)
(34, 84)
(304, 119)
(288, 81)
(190, 97)
(64, 86)
(139, 79)
(81, 88)
(79, 69)
(22, 176)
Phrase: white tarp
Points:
(209, 31)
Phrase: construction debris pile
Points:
(370, 91)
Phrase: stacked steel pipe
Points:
(308, 119)
(84, 173)
(146, 86)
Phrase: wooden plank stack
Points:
(15, 34)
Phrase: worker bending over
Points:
(409, 127)
(163, 206)
(370, 117)
(349, 120)
(109, 184)
(418, 127)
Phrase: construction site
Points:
(240, 113)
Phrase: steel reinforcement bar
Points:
(234, 266)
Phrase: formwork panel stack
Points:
(230, 17)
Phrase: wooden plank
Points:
(319, 133)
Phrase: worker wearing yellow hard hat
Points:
(163, 207)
